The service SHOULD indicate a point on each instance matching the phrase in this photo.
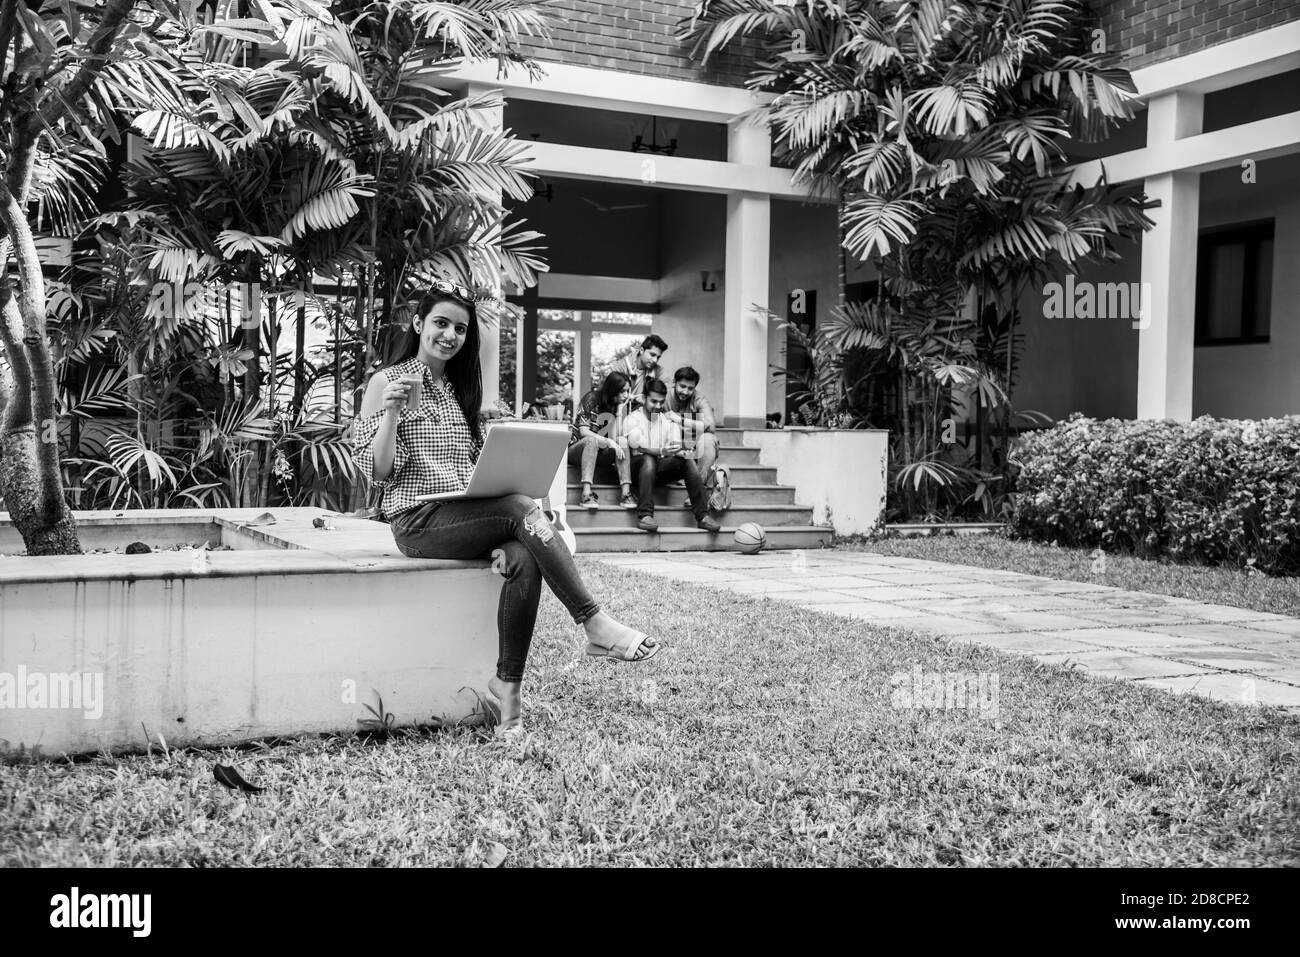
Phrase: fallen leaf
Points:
(228, 776)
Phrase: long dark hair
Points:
(463, 369)
(610, 389)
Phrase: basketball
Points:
(750, 537)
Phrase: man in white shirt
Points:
(658, 457)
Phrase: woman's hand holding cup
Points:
(403, 394)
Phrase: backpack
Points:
(720, 493)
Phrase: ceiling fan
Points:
(614, 209)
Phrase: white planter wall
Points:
(841, 473)
(292, 639)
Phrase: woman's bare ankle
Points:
(604, 630)
(599, 625)
(512, 702)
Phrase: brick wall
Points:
(635, 36)
(638, 36)
(1149, 31)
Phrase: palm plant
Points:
(939, 128)
(70, 72)
(328, 150)
(818, 393)
(267, 129)
(440, 166)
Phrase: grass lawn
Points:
(1220, 586)
(762, 735)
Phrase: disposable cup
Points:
(416, 384)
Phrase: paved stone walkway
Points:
(1229, 654)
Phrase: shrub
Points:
(1212, 491)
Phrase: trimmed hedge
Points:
(1212, 491)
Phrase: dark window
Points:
(801, 311)
(1234, 284)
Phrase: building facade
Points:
(663, 211)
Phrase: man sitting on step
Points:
(690, 411)
(642, 367)
(658, 457)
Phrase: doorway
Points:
(574, 349)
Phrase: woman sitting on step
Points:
(432, 448)
(595, 438)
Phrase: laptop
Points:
(517, 457)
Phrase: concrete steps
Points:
(756, 496)
(737, 455)
(694, 539)
(608, 494)
(754, 474)
(611, 516)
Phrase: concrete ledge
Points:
(292, 632)
(841, 473)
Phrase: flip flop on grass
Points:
(626, 650)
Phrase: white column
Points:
(579, 360)
(489, 346)
(520, 326)
(1168, 323)
(749, 219)
(489, 352)
(584, 370)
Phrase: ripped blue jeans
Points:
(506, 530)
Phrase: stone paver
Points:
(868, 610)
(951, 627)
(1126, 664)
(980, 589)
(1232, 688)
(1203, 612)
(1133, 638)
(910, 577)
(1241, 636)
(837, 582)
(1290, 626)
(1229, 654)
(1032, 643)
(810, 596)
(1049, 602)
(757, 587)
(1241, 659)
(1137, 617)
(1030, 620)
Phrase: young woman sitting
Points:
(594, 438)
(408, 452)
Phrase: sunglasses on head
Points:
(452, 289)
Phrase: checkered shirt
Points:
(608, 425)
(435, 450)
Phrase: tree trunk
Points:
(300, 361)
(21, 485)
(30, 475)
(842, 266)
(365, 332)
(362, 355)
(227, 339)
(1011, 339)
(336, 317)
(250, 321)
